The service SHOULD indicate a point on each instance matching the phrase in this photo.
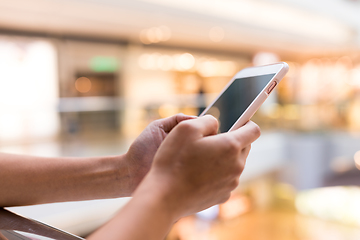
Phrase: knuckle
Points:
(256, 131)
(246, 150)
(210, 117)
(235, 183)
(213, 122)
(179, 116)
(186, 126)
(238, 169)
(233, 145)
(225, 198)
(157, 122)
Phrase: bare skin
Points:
(192, 170)
(29, 180)
(176, 167)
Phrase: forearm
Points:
(193, 169)
(26, 180)
(147, 216)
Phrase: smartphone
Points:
(244, 94)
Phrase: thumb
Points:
(169, 123)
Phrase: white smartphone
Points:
(244, 94)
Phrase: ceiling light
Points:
(268, 15)
(155, 35)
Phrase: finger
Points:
(169, 123)
(193, 129)
(245, 151)
(244, 154)
(206, 125)
(246, 134)
(224, 198)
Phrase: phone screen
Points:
(236, 99)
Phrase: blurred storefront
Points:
(84, 93)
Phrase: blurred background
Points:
(84, 78)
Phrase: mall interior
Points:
(85, 77)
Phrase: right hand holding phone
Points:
(195, 168)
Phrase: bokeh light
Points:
(155, 35)
(83, 84)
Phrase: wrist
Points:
(159, 193)
(122, 181)
(136, 169)
(147, 210)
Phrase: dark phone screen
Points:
(236, 99)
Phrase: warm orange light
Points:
(167, 110)
(186, 61)
(338, 204)
(155, 35)
(83, 84)
(213, 68)
(235, 206)
(357, 159)
(165, 63)
(263, 58)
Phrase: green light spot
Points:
(104, 64)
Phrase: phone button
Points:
(271, 87)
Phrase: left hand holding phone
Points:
(142, 151)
